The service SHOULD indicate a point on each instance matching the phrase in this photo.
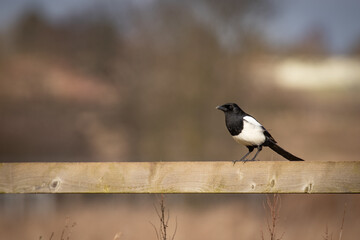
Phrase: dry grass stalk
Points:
(117, 236)
(327, 236)
(273, 206)
(342, 222)
(164, 216)
(65, 233)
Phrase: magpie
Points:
(246, 130)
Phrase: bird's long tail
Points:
(284, 153)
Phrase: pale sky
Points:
(340, 20)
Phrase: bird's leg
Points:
(259, 148)
(243, 158)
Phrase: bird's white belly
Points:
(250, 135)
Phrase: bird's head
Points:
(230, 108)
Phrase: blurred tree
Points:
(32, 32)
(93, 45)
(90, 46)
(313, 44)
(355, 50)
(181, 64)
(169, 72)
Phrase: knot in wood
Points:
(272, 183)
(309, 188)
(55, 184)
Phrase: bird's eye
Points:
(230, 108)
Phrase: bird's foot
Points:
(248, 160)
(244, 160)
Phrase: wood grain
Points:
(181, 177)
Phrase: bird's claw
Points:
(244, 160)
(248, 160)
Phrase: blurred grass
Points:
(219, 216)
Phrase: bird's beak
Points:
(222, 108)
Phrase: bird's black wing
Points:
(268, 136)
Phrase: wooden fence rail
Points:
(180, 177)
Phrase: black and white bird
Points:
(246, 130)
